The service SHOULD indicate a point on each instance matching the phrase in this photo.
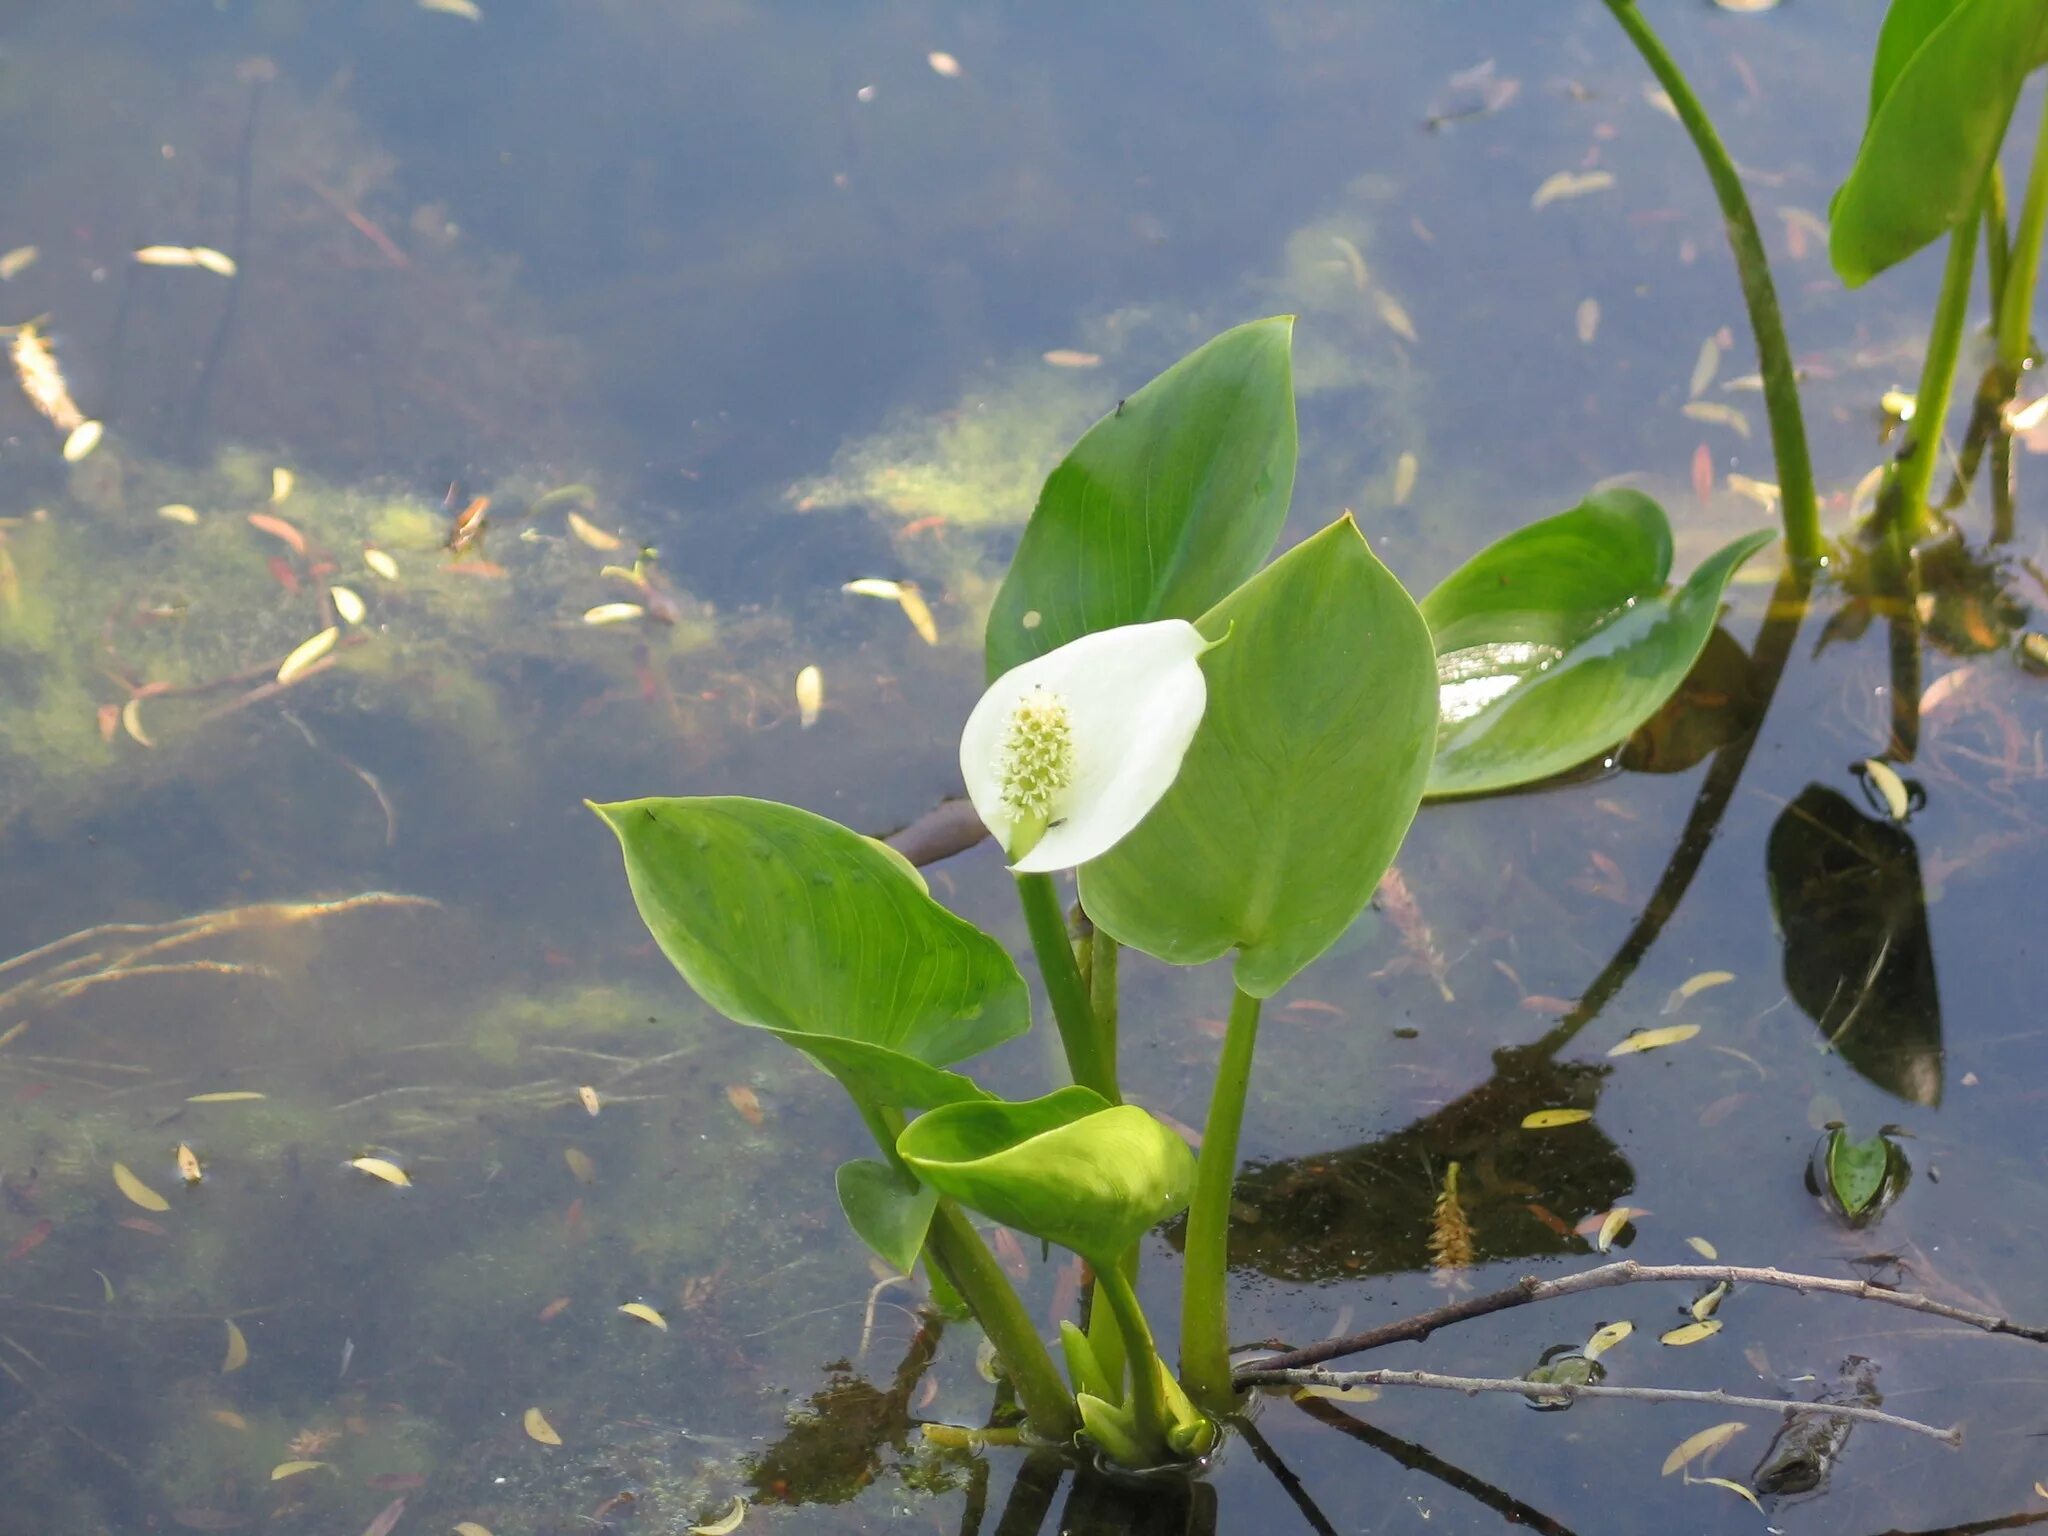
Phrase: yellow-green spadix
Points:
(1066, 753)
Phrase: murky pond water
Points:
(786, 296)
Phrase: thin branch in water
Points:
(1628, 1272)
(1548, 1391)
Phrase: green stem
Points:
(1797, 506)
(1205, 1271)
(1148, 1405)
(1087, 1061)
(1997, 238)
(1905, 504)
(954, 1248)
(2017, 302)
(1103, 1334)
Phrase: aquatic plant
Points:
(1229, 753)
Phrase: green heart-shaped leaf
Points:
(1946, 78)
(1163, 506)
(1556, 642)
(887, 1211)
(791, 923)
(1301, 780)
(1070, 1168)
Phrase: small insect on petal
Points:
(593, 535)
(588, 1095)
(943, 64)
(614, 613)
(1691, 1333)
(188, 1165)
(178, 512)
(82, 440)
(746, 1102)
(382, 1168)
(1551, 1119)
(278, 528)
(308, 652)
(137, 1191)
(1653, 1039)
(232, 1096)
(131, 722)
(1068, 357)
(538, 1428)
(1693, 986)
(1889, 785)
(1606, 1338)
(911, 600)
(237, 1354)
(1693, 1447)
(810, 696)
(17, 261)
(1406, 468)
(1587, 320)
(348, 604)
(646, 1314)
(166, 256)
(285, 1469)
(220, 263)
(580, 1164)
(1724, 1482)
(381, 564)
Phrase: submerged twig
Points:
(1544, 1391)
(1628, 1272)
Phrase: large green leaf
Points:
(1556, 642)
(1301, 781)
(887, 1210)
(1942, 90)
(1070, 1168)
(1163, 506)
(789, 922)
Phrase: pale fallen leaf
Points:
(1719, 414)
(1612, 1223)
(131, 722)
(1693, 1447)
(580, 1164)
(911, 600)
(1551, 1119)
(1339, 1394)
(470, 1528)
(1660, 98)
(538, 1428)
(874, 586)
(1763, 492)
(1703, 1248)
(381, 564)
(231, 1096)
(1693, 986)
(178, 512)
(17, 261)
(646, 1314)
(1406, 468)
(746, 1101)
(1653, 1039)
(237, 1354)
(382, 1168)
(285, 1469)
(943, 64)
(1606, 1338)
(348, 604)
(614, 613)
(1587, 320)
(1068, 357)
(1570, 184)
(1726, 1482)
(137, 1191)
(387, 1518)
(810, 696)
(591, 534)
(1707, 1305)
(1704, 367)
(591, 1103)
(281, 482)
(220, 263)
(1890, 786)
(1393, 315)
(1691, 1333)
(228, 1418)
(468, 10)
(166, 256)
(307, 653)
(81, 440)
(188, 1165)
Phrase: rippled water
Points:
(802, 294)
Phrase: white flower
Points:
(1065, 754)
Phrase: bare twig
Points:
(948, 828)
(1549, 1390)
(1628, 1272)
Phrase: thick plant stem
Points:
(1904, 510)
(2016, 304)
(1148, 1406)
(1088, 1062)
(1104, 1336)
(1205, 1274)
(953, 1248)
(1797, 506)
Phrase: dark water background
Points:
(779, 292)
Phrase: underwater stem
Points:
(1204, 1310)
(1797, 506)
(1087, 1060)
(1903, 509)
(2016, 304)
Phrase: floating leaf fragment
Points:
(41, 379)
(468, 10)
(614, 613)
(1612, 1223)
(281, 482)
(746, 1101)
(943, 64)
(1704, 367)
(387, 1518)
(1606, 1338)
(166, 256)
(1587, 320)
(646, 1314)
(591, 534)
(810, 696)
(131, 722)
(553, 1310)
(1764, 493)
(1893, 788)
(285, 1469)
(1068, 357)
(381, 564)
(1703, 1248)
(1719, 414)
(1393, 316)
(82, 440)
(308, 652)
(188, 1164)
(1727, 1482)
(17, 261)
(1693, 1447)
(1570, 184)
(1691, 1333)
(1653, 1039)
(589, 1098)
(1551, 1119)
(30, 1241)
(580, 1164)
(14, 1032)
(227, 1418)
(1707, 1305)
(382, 1168)
(1338, 1394)
(911, 599)
(1693, 986)
(874, 586)
(726, 1523)
(538, 1428)
(237, 1354)
(231, 1096)
(348, 604)
(220, 263)
(470, 1528)
(1406, 468)
(137, 1191)
(178, 512)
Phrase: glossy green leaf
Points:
(888, 1211)
(1301, 780)
(789, 922)
(1556, 642)
(1163, 506)
(1070, 1168)
(1083, 1369)
(1946, 78)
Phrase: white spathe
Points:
(1066, 753)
